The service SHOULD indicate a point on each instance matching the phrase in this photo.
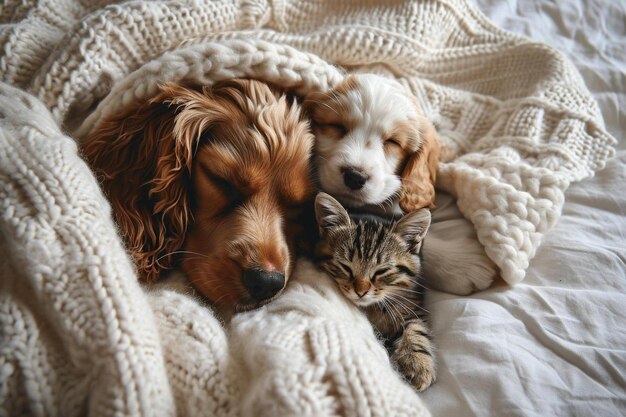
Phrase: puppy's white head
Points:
(367, 129)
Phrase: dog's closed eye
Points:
(227, 194)
(233, 195)
(337, 130)
(392, 141)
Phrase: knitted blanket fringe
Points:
(80, 335)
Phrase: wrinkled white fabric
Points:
(80, 337)
(554, 345)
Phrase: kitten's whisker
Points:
(401, 303)
(414, 291)
(388, 311)
(397, 296)
(412, 296)
(395, 315)
(411, 302)
(410, 311)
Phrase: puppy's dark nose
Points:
(261, 284)
(354, 179)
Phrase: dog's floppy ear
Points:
(246, 93)
(420, 172)
(143, 159)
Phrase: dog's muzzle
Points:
(261, 284)
(354, 179)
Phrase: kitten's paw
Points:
(417, 365)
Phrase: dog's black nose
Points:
(261, 284)
(354, 179)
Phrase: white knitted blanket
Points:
(80, 335)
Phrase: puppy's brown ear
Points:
(143, 159)
(420, 172)
(323, 107)
(314, 100)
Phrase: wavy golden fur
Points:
(215, 174)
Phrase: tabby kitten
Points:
(376, 264)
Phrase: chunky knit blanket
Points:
(79, 335)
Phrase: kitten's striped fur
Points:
(377, 265)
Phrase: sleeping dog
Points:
(212, 179)
(375, 151)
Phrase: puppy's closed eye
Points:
(337, 130)
(393, 142)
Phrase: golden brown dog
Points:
(213, 178)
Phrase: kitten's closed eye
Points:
(347, 269)
(380, 273)
(406, 270)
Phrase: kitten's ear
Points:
(329, 212)
(413, 227)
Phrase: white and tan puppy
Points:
(376, 152)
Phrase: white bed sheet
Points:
(554, 345)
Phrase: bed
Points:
(553, 344)
(80, 335)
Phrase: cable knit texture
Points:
(80, 336)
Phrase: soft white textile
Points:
(555, 344)
(79, 337)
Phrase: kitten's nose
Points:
(361, 294)
(354, 179)
(361, 287)
(261, 284)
